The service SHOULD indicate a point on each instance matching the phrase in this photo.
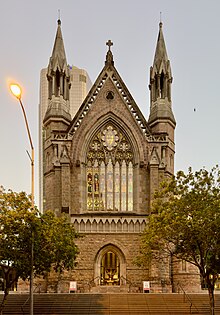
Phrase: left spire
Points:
(58, 57)
(58, 76)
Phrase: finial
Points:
(59, 21)
(109, 56)
(160, 24)
(109, 43)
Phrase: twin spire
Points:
(58, 76)
(58, 57)
(160, 53)
(160, 76)
(160, 84)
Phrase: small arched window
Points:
(162, 78)
(57, 89)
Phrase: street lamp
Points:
(16, 91)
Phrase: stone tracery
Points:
(110, 171)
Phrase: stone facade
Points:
(102, 168)
(94, 247)
(80, 84)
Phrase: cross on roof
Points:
(109, 43)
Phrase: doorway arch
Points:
(110, 266)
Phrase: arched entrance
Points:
(110, 269)
(110, 266)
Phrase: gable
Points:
(108, 108)
(110, 81)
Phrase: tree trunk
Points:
(58, 282)
(211, 299)
(6, 293)
(8, 285)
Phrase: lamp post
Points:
(16, 91)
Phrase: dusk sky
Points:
(191, 31)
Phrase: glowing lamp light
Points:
(15, 90)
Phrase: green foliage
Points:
(185, 222)
(53, 238)
(16, 220)
(55, 243)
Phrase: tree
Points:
(53, 240)
(185, 223)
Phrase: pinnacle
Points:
(109, 55)
(160, 53)
(58, 53)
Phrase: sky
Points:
(191, 31)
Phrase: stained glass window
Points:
(102, 185)
(109, 185)
(130, 187)
(110, 171)
(123, 186)
(89, 187)
(96, 185)
(117, 186)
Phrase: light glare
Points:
(16, 90)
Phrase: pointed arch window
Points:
(162, 78)
(109, 171)
(57, 91)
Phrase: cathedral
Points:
(102, 167)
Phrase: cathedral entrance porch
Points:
(110, 268)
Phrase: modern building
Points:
(102, 167)
(79, 85)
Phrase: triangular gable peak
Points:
(109, 72)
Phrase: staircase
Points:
(109, 304)
(110, 289)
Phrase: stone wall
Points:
(91, 247)
(165, 275)
(186, 277)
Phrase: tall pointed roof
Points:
(160, 53)
(109, 72)
(58, 57)
(160, 84)
(58, 82)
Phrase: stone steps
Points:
(109, 289)
(109, 304)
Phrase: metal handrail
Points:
(91, 281)
(186, 296)
(22, 306)
(129, 282)
(98, 277)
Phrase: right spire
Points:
(160, 83)
(160, 53)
